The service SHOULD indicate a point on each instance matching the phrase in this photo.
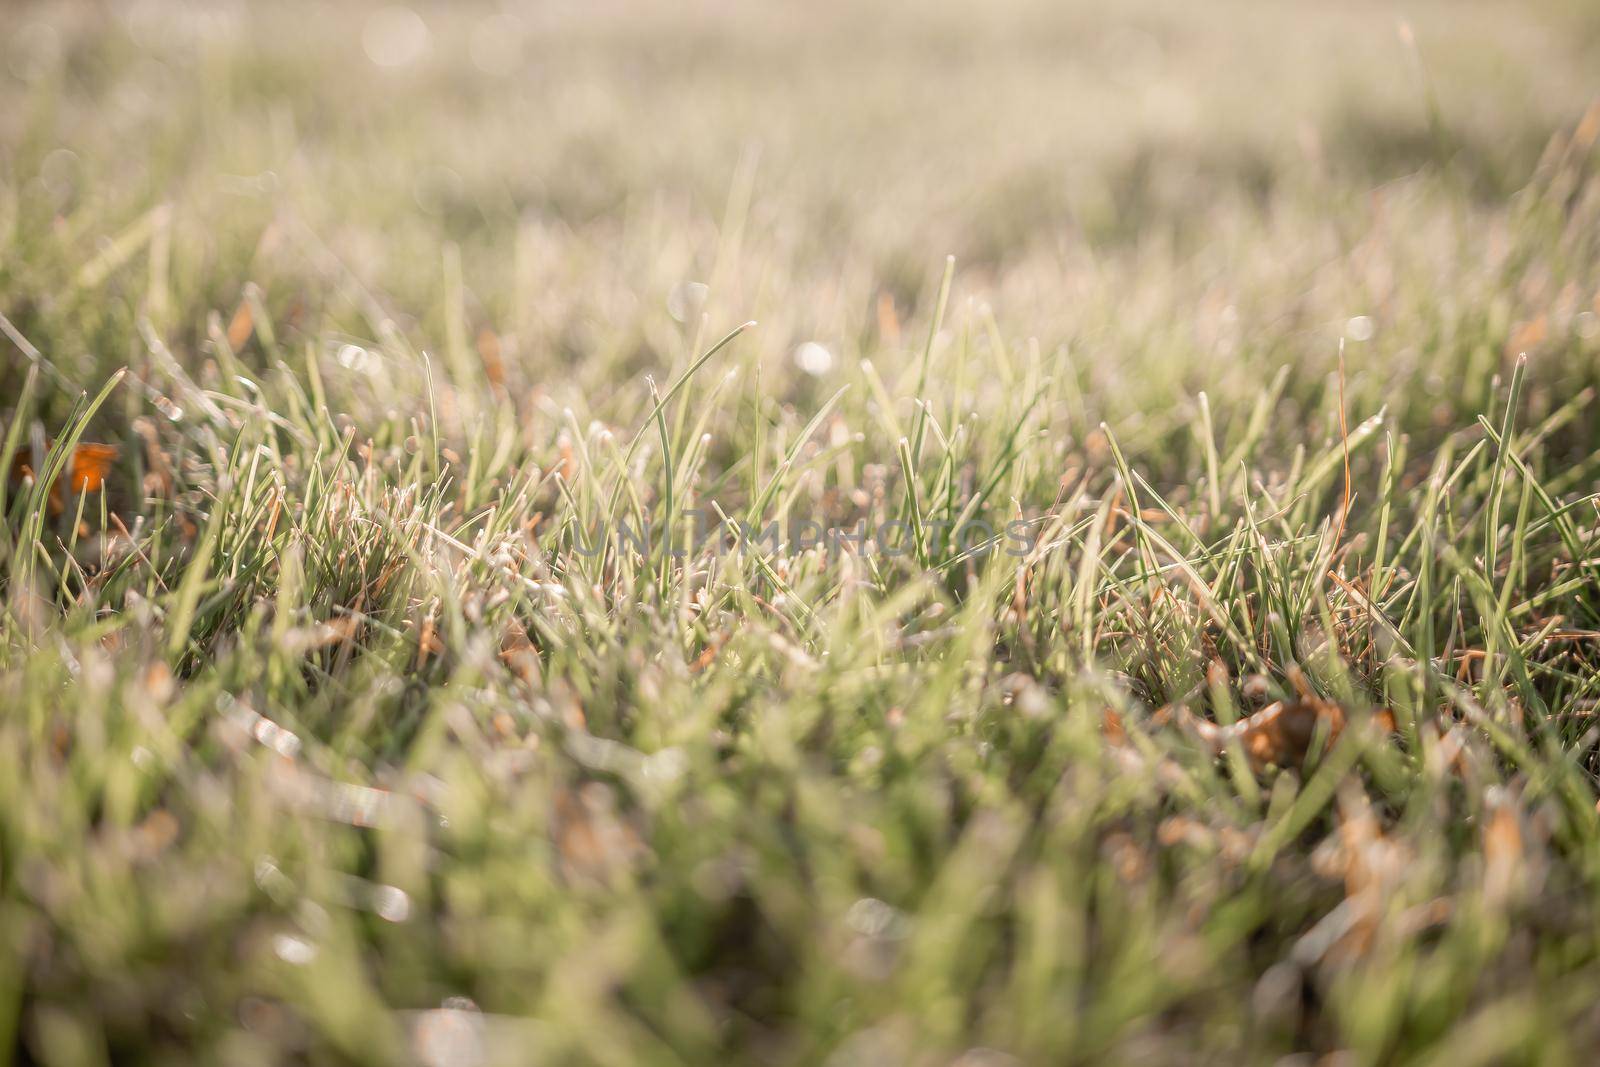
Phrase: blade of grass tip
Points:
(1516, 567)
(1422, 601)
(1260, 419)
(477, 452)
(1497, 483)
(50, 470)
(433, 413)
(702, 324)
(1135, 514)
(77, 524)
(694, 439)
(913, 505)
(13, 441)
(666, 494)
(1208, 603)
(1497, 628)
(624, 483)
(105, 523)
(1445, 483)
(1394, 463)
(1557, 515)
(920, 429)
(997, 345)
(463, 374)
(661, 404)
(774, 484)
(1208, 440)
(61, 451)
(266, 335)
(956, 378)
(742, 542)
(1172, 513)
(683, 379)
(881, 394)
(321, 414)
(121, 248)
(40, 360)
(1002, 466)
(192, 396)
(819, 461)
(1084, 584)
(1344, 439)
(757, 453)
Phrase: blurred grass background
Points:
(1063, 153)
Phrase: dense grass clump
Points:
(519, 547)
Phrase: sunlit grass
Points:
(327, 735)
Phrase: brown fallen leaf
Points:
(1111, 726)
(888, 321)
(86, 471)
(1502, 852)
(1280, 733)
(519, 653)
(489, 350)
(241, 326)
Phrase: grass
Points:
(341, 723)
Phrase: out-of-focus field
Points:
(333, 335)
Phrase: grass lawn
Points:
(946, 534)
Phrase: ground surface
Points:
(346, 716)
